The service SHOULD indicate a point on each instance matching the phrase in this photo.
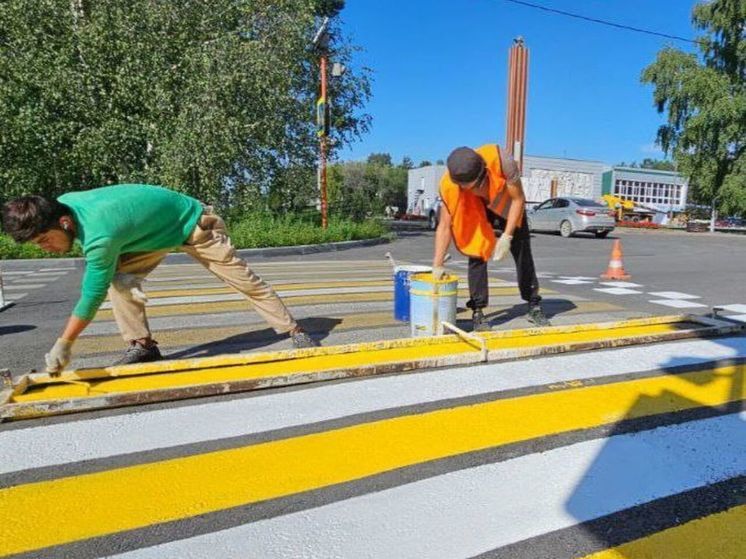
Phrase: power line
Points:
(602, 21)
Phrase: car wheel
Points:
(432, 221)
(601, 234)
(566, 229)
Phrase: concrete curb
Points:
(177, 257)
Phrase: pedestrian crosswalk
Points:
(626, 453)
(18, 284)
(338, 301)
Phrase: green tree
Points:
(704, 97)
(213, 98)
(424, 163)
(407, 163)
(649, 163)
(380, 159)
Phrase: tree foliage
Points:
(704, 97)
(649, 163)
(360, 189)
(212, 97)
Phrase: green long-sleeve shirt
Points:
(114, 220)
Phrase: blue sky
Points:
(440, 75)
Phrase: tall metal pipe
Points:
(517, 90)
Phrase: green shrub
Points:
(9, 249)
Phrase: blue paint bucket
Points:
(401, 289)
(432, 303)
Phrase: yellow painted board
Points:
(64, 510)
(351, 360)
(717, 536)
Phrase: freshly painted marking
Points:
(581, 278)
(136, 496)
(719, 535)
(617, 291)
(677, 303)
(738, 317)
(89, 439)
(621, 284)
(734, 308)
(673, 295)
(472, 511)
(222, 371)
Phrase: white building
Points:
(547, 177)
(422, 188)
(665, 191)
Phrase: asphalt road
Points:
(693, 271)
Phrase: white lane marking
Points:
(16, 273)
(90, 439)
(582, 278)
(15, 296)
(57, 269)
(677, 303)
(617, 291)
(673, 295)
(17, 286)
(571, 281)
(620, 284)
(738, 317)
(734, 308)
(214, 298)
(472, 511)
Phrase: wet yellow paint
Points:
(64, 510)
(718, 536)
(323, 362)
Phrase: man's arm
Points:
(518, 198)
(75, 325)
(442, 236)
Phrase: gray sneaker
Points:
(537, 316)
(139, 354)
(302, 340)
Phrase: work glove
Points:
(123, 281)
(503, 247)
(439, 272)
(59, 356)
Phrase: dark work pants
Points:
(520, 248)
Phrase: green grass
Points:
(251, 231)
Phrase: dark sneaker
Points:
(139, 354)
(536, 316)
(302, 340)
(478, 322)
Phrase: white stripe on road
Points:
(15, 273)
(16, 286)
(472, 511)
(734, 308)
(617, 291)
(136, 432)
(58, 269)
(15, 296)
(673, 295)
(677, 303)
(191, 299)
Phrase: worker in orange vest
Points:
(481, 189)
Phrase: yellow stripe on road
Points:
(65, 510)
(221, 369)
(718, 536)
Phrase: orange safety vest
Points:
(472, 232)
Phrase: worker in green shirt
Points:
(126, 230)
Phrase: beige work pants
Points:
(209, 245)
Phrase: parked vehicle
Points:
(572, 215)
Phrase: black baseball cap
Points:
(465, 165)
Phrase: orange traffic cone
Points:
(615, 271)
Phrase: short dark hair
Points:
(29, 216)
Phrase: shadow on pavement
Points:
(15, 329)
(318, 327)
(659, 469)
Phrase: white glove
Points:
(503, 247)
(59, 356)
(132, 282)
(439, 272)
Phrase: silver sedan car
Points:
(572, 215)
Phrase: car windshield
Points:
(587, 203)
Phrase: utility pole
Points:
(321, 42)
(515, 129)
